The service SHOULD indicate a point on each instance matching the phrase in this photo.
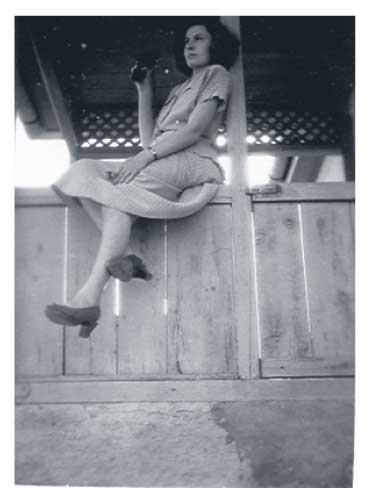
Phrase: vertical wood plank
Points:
(280, 278)
(352, 214)
(202, 328)
(329, 255)
(96, 355)
(39, 268)
(245, 308)
(142, 334)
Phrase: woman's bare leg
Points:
(114, 240)
(94, 211)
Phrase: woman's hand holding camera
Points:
(146, 84)
(141, 72)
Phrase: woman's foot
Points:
(128, 267)
(86, 317)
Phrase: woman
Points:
(177, 158)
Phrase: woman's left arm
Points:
(198, 122)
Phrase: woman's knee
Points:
(110, 212)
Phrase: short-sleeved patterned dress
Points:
(172, 187)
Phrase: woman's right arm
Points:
(145, 115)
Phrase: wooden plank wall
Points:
(184, 321)
(39, 275)
(142, 333)
(97, 355)
(201, 325)
(305, 282)
(180, 323)
(280, 281)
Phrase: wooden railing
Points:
(187, 321)
(304, 242)
(180, 322)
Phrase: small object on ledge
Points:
(269, 188)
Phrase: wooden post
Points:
(304, 168)
(55, 95)
(349, 139)
(244, 278)
(23, 104)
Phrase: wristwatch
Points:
(153, 152)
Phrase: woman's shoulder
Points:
(217, 69)
(216, 73)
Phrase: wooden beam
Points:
(47, 197)
(36, 131)
(292, 151)
(243, 266)
(123, 391)
(349, 139)
(55, 96)
(304, 168)
(305, 192)
(290, 368)
(27, 113)
(23, 104)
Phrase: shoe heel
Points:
(148, 276)
(141, 272)
(86, 330)
(121, 270)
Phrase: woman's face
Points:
(197, 47)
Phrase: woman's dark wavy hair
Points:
(223, 49)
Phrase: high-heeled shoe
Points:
(128, 267)
(87, 317)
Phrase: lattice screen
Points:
(292, 128)
(101, 129)
(115, 131)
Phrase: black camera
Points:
(144, 62)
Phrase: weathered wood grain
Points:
(39, 268)
(142, 334)
(177, 391)
(244, 294)
(329, 256)
(96, 355)
(46, 195)
(139, 377)
(104, 339)
(306, 368)
(310, 192)
(353, 218)
(55, 95)
(281, 292)
(202, 334)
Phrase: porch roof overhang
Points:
(68, 68)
